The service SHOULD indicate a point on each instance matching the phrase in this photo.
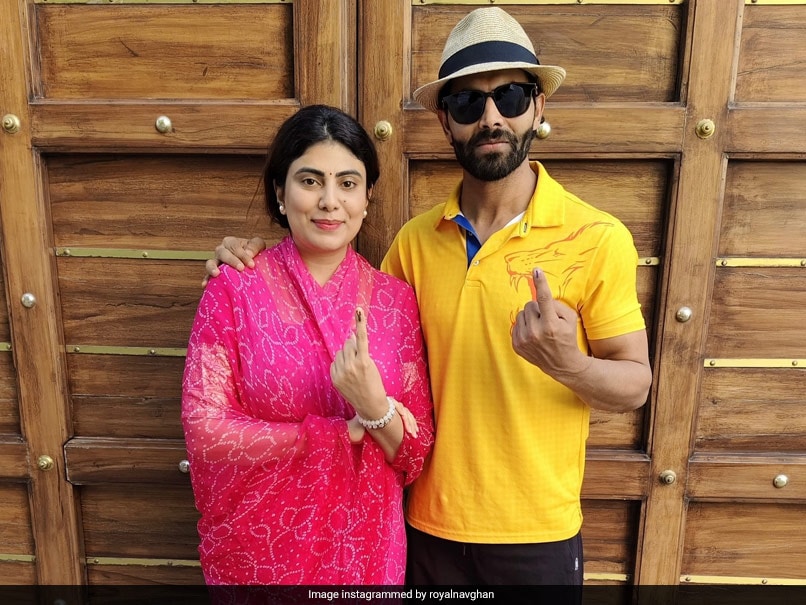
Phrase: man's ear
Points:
(540, 104)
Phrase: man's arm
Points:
(235, 252)
(618, 376)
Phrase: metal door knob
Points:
(383, 130)
(44, 463)
(668, 477)
(780, 481)
(683, 314)
(11, 123)
(184, 466)
(28, 300)
(163, 124)
(705, 128)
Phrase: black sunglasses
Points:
(466, 106)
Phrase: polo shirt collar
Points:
(545, 209)
(452, 209)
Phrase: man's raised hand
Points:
(545, 332)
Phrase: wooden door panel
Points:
(744, 476)
(603, 467)
(648, 283)
(5, 329)
(126, 395)
(764, 212)
(44, 419)
(165, 52)
(610, 537)
(625, 140)
(144, 294)
(772, 57)
(13, 458)
(617, 431)
(99, 460)
(21, 574)
(16, 539)
(238, 126)
(751, 409)
(229, 75)
(744, 540)
(15, 519)
(152, 201)
(139, 521)
(758, 312)
(9, 403)
(617, 125)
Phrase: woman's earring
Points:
(281, 208)
(365, 214)
(543, 129)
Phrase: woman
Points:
(300, 375)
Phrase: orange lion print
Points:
(553, 259)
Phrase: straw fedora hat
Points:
(488, 39)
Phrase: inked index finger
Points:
(543, 294)
(361, 338)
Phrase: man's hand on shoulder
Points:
(236, 252)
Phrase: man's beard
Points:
(493, 166)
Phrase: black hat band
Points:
(487, 52)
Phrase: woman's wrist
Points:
(355, 431)
(379, 423)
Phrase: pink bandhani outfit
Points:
(284, 497)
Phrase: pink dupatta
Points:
(284, 497)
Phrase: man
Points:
(530, 314)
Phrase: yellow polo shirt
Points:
(509, 455)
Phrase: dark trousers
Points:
(436, 561)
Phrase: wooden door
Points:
(106, 213)
(134, 136)
(685, 119)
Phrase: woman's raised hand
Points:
(356, 376)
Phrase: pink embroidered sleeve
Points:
(217, 428)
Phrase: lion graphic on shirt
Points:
(553, 259)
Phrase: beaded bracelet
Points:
(383, 420)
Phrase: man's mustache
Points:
(493, 136)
